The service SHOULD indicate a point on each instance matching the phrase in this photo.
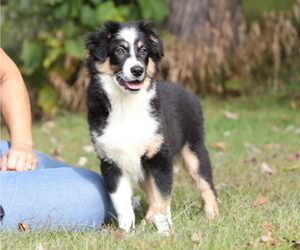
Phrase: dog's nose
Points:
(137, 70)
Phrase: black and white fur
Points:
(138, 124)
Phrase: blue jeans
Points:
(53, 196)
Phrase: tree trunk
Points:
(209, 34)
(190, 16)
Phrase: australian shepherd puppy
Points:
(138, 124)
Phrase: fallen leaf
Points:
(253, 148)
(272, 156)
(176, 169)
(221, 185)
(292, 168)
(230, 115)
(227, 133)
(250, 243)
(245, 161)
(293, 105)
(52, 139)
(272, 146)
(172, 232)
(109, 227)
(253, 160)
(275, 129)
(219, 145)
(269, 238)
(23, 227)
(260, 201)
(264, 168)
(88, 148)
(47, 126)
(56, 154)
(285, 117)
(119, 233)
(295, 244)
(214, 171)
(266, 226)
(294, 156)
(219, 154)
(289, 128)
(196, 237)
(82, 161)
(39, 247)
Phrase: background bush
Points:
(49, 36)
(257, 57)
(45, 40)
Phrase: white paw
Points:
(126, 221)
(163, 223)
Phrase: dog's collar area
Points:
(131, 85)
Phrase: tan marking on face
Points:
(125, 44)
(146, 83)
(106, 68)
(154, 146)
(191, 162)
(140, 44)
(150, 74)
(150, 68)
(157, 204)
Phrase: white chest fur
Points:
(131, 130)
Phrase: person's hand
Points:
(19, 157)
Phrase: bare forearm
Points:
(15, 108)
(15, 103)
(16, 111)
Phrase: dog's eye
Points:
(120, 51)
(143, 51)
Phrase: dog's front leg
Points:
(158, 186)
(120, 191)
(121, 199)
(159, 210)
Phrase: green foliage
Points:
(154, 8)
(32, 55)
(47, 99)
(50, 33)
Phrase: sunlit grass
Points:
(266, 130)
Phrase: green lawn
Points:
(267, 130)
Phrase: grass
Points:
(267, 130)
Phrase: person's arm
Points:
(15, 108)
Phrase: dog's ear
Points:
(96, 42)
(147, 26)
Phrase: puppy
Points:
(138, 124)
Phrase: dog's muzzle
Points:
(134, 82)
(130, 85)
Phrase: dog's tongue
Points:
(134, 85)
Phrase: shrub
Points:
(52, 41)
(265, 58)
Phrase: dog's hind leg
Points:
(120, 191)
(157, 186)
(196, 160)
